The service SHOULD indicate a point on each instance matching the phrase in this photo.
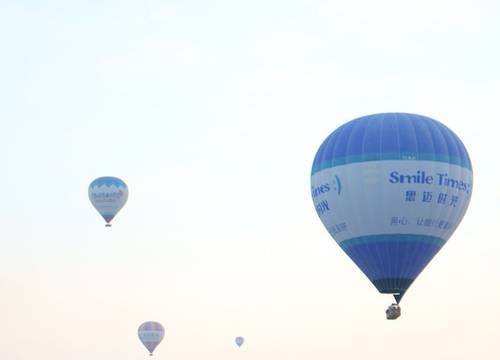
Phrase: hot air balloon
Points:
(391, 189)
(108, 195)
(151, 333)
(239, 341)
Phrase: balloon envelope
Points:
(108, 195)
(239, 341)
(151, 333)
(391, 189)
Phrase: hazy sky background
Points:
(211, 112)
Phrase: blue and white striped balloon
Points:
(151, 334)
(391, 189)
(108, 195)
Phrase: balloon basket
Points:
(393, 312)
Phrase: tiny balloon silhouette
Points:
(108, 195)
(151, 334)
(239, 341)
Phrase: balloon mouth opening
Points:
(397, 295)
(392, 285)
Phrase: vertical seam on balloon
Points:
(429, 123)
(419, 247)
(452, 139)
(318, 159)
(412, 258)
(463, 171)
(383, 273)
(444, 211)
(406, 243)
(355, 194)
(341, 135)
(391, 271)
(439, 212)
(382, 266)
(375, 260)
(462, 151)
(374, 257)
(403, 238)
(365, 253)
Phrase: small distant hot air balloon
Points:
(151, 333)
(391, 189)
(239, 341)
(108, 195)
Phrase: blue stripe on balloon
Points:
(391, 136)
(107, 181)
(393, 258)
(386, 238)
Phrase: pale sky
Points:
(212, 112)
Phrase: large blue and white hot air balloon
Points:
(151, 334)
(108, 195)
(391, 189)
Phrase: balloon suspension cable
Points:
(398, 296)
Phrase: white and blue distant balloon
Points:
(239, 341)
(108, 195)
(151, 334)
(391, 189)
